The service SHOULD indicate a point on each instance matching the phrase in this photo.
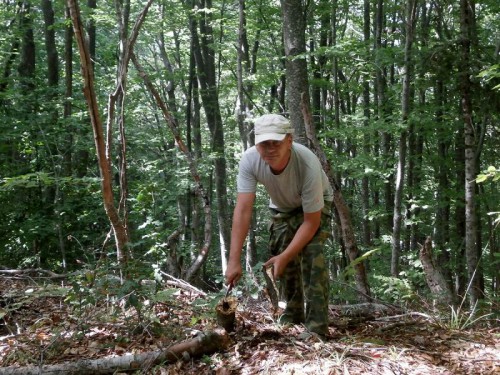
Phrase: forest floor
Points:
(39, 327)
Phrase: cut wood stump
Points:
(226, 313)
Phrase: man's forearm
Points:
(239, 231)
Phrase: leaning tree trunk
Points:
(202, 194)
(103, 148)
(342, 210)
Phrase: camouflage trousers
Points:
(304, 284)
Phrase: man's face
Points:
(276, 153)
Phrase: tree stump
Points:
(226, 313)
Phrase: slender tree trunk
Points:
(103, 147)
(117, 101)
(442, 227)
(410, 20)
(383, 111)
(245, 68)
(294, 27)
(194, 145)
(342, 210)
(205, 63)
(54, 193)
(472, 250)
(459, 216)
(365, 186)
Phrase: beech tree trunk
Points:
(472, 250)
(204, 54)
(410, 20)
(246, 66)
(294, 27)
(365, 184)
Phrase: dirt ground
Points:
(39, 327)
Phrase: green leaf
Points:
(481, 178)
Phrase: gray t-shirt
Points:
(302, 183)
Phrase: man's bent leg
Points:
(316, 283)
(293, 293)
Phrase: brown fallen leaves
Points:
(47, 330)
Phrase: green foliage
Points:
(393, 289)
(138, 292)
(491, 173)
(491, 74)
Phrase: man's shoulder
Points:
(303, 152)
(250, 154)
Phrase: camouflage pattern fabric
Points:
(305, 284)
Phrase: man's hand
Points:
(233, 273)
(279, 263)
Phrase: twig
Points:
(183, 284)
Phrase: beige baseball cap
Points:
(271, 128)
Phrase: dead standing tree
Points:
(103, 147)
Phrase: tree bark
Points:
(103, 147)
(365, 183)
(294, 27)
(50, 44)
(383, 112)
(410, 21)
(205, 343)
(471, 239)
(434, 275)
(341, 208)
(246, 66)
(205, 63)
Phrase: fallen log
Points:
(32, 272)
(367, 310)
(205, 343)
(348, 315)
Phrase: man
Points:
(300, 201)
